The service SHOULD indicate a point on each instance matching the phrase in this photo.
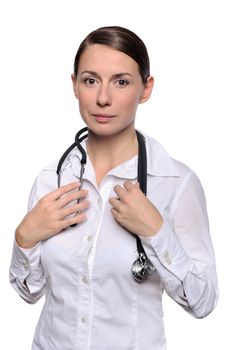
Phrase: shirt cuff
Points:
(168, 250)
(23, 260)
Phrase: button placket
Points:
(96, 207)
(83, 304)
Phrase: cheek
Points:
(130, 101)
(85, 98)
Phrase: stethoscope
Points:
(142, 267)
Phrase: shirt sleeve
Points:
(184, 256)
(26, 271)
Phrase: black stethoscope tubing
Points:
(142, 267)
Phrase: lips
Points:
(103, 117)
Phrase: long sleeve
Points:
(184, 255)
(26, 271)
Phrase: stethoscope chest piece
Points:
(142, 268)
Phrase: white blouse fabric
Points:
(92, 301)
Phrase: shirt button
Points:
(83, 319)
(89, 238)
(25, 264)
(85, 279)
(99, 201)
(167, 258)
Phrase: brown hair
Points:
(121, 39)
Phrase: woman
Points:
(92, 300)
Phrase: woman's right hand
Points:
(52, 214)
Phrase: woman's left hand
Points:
(133, 210)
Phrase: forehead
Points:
(103, 58)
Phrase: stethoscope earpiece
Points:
(142, 267)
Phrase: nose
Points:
(104, 97)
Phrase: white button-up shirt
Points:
(92, 301)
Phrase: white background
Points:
(190, 45)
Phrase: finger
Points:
(75, 208)
(129, 185)
(120, 191)
(56, 194)
(77, 219)
(116, 203)
(70, 197)
(117, 216)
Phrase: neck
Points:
(107, 152)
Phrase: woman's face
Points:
(109, 88)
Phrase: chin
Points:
(103, 131)
(109, 130)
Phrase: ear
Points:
(147, 90)
(74, 81)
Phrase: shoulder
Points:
(52, 166)
(46, 180)
(183, 178)
(160, 163)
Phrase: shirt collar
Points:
(159, 163)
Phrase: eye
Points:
(90, 81)
(122, 82)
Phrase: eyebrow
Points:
(115, 76)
